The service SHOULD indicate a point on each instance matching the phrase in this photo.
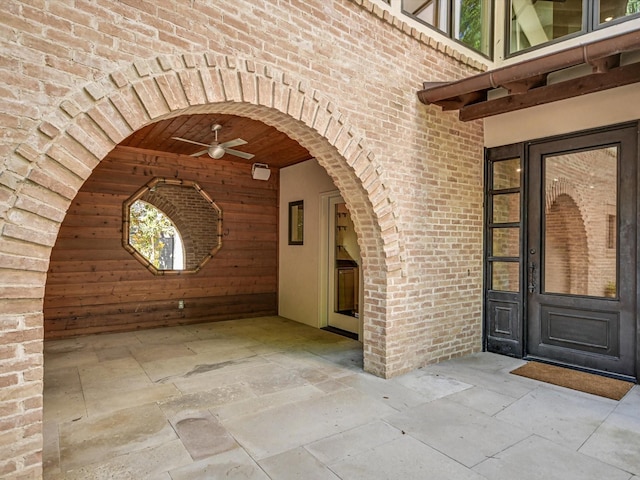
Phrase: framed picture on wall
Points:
(296, 222)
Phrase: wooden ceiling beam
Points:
(596, 82)
(463, 100)
(523, 86)
(604, 64)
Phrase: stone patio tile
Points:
(297, 463)
(51, 448)
(170, 369)
(221, 343)
(215, 397)
(487, 362)
(353, 442)
(269, 378)
(64, 408)
(150, 353)
(617, 442)
(65, 380)
(346, 354)
(202, 434)
(113, 375)
(306, 363)
(67, 345)
(331, 386)
(393, 393)
(500, 382)
(483, 400)
(91, 440)
(151, 463)
(306, 421)
(107, 340)
(404, 458)
(100, 401)
(264, 403)
(630, 404)
(538, 458)
(462, 433)
(572, 419)
(113, 353)
(306, 408)
(232, 465)
(63, 398)
(68, 353)
(262, 349)
(431, 387)
(254, 372)
(165, 336)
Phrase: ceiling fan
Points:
(217, 150)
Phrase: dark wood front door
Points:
(580, 251)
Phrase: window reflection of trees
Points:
(155, 236)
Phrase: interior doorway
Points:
(342, 277)
(561, 236)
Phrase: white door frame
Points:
(328, 199)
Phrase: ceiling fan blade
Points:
(233, 143)
(238, 153)
(191, 141)
(197, 154)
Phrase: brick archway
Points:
(60, 156)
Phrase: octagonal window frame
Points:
(148, 187)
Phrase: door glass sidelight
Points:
(505, 242)
(506, 208)
(506, 174)
(503, 228)
(505, 276)
(580, 223)
(503, 251)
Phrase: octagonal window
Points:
(171, 226)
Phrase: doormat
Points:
(575, 379)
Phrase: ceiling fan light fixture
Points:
(216, 151)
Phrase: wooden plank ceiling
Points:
(268, 144)
(593, 67)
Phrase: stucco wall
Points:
(299, 265)
(339, 77)
(600, 109)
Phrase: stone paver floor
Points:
(267, 398)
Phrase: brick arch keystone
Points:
(50, 167)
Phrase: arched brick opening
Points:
(566, 252)
(60, 156)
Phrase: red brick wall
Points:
(339, 77)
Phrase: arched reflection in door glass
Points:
(580, 223)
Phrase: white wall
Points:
(579, 113)
(299, 265)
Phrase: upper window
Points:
(468, 21)
(536, 22)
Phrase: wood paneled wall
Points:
(95, 285)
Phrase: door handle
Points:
(532, 277)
